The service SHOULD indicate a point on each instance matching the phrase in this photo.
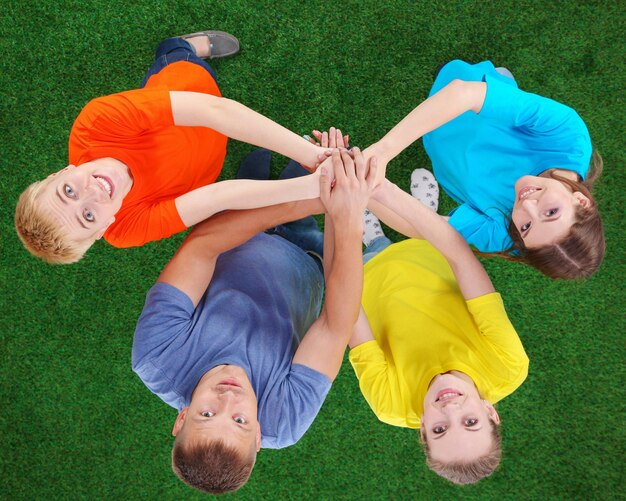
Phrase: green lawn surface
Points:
(77, 423)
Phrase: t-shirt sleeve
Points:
(480, 230)
(166, 314)
(124, 115)
(493, 323)
(145, 222)
(539, 116)
(371, 369)
(291, 407)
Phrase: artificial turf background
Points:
(76, 422)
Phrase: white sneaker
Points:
(425, 188)
(371, 228)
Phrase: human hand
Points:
(354, 183)
(327, 142)
(333, 138)
(376, 150)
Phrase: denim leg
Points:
(304, 232)
(256, 165)
(375, 247)
(171, 51)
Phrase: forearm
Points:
(240, 194)
(393, 220)
(451, 101)
(424, 223)
(329, 246)
(239, 122)
(344, 285)
(232, 228)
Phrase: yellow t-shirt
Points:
(423, 327)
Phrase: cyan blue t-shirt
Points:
(477, 158)
(263, 297)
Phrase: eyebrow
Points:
(80, 221)
(61, 197)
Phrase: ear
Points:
(492, 412)
(258, 436)
(62, 170)
(582, 199)
(180, 421)
(104, 229)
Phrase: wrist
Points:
(381, 150)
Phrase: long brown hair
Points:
(581, 252)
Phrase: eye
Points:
(69, 191)
(438, 430)
(525, 227)
(239, 420)
(89, 216)
(208, 414)
(470, 422)
(551, 212)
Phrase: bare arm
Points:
(240, 122)
(451, 101)
(203, 202)
(191, 268)
(362, 332)
(323, 346)
(470, 275)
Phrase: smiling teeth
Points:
(105, 184)
(448, 395)
(528, 192)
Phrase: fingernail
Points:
(307, 137)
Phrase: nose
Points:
(530, 206)
(451, 405)
(93, 191)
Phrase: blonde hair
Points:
(42, 236)
(467, 472)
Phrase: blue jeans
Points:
(171, 51)
(376, 246)
(304, 232)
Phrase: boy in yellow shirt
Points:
(433, 347)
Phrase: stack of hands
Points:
(348, 178)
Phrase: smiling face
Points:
(544, 210)
(457, 423)
(223, 406)
(85, 199)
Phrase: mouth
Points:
(106, 184)
(229, 382)
(525, 192)
(447, 394)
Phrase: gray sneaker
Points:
(222, 44)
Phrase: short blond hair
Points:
(41, 234)
(462, 473)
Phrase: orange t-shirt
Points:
(166, 161)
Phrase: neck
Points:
(463, 376)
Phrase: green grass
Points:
(78, 424)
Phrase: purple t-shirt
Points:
(263, 297)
